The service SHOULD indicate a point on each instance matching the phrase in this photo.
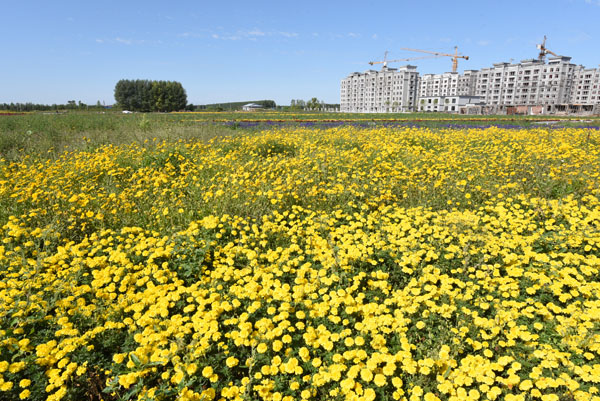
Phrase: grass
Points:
(49, 135)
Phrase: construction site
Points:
(548, 84)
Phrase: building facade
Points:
(385, 91)
(445, 84)
(586, 86)
(447, 104)
(549, 87)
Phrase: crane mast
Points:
(543, 50)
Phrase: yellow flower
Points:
(207, 371)
(525, 385)
(277, 345)
(231, 361)
(6, 386)
(431, 397)
(369, 394)
(366, 375)
(379, 380)
(304, 354)
(191, 369)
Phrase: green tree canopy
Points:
(145, 95)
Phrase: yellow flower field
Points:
(342, 264)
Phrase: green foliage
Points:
(272, 148)
(230, 106)
(145, 95)
(50, 134)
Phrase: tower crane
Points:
(385, 60)
(454, 56)
(543, 51)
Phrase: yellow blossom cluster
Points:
(306, 264)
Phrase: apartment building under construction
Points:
(531, 86)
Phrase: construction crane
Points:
(454, 56)
(385, 60)
(543, 51)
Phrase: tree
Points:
(145, 95)
(313, 103)
(268, 104)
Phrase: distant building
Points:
(531, 86)
(445, 84)
(251, 106)
(586, 86)
(385, 91)
(448, 104)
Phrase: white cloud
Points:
(124, 41)
(374, 36)
(353, 35)
(129, 42)
(225, 37)
(253, 35)
(445, 40)
(255, 32)
(483, 42)
(288, 34)
(580, 37)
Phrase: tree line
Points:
(70, 105)
(312, 104)
(146, 95)
(230, 106)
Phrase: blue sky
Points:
(53, 52)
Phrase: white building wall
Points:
(529, 83)
(388, 90)
(445, 84)
(586, 86)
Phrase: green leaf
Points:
(135, 360)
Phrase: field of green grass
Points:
(53, 133)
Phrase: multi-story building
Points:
(528, 83)
(467, 82)
(555, 86)
(448, 104)
(586, 86)
(388, 90)
(445, 84)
